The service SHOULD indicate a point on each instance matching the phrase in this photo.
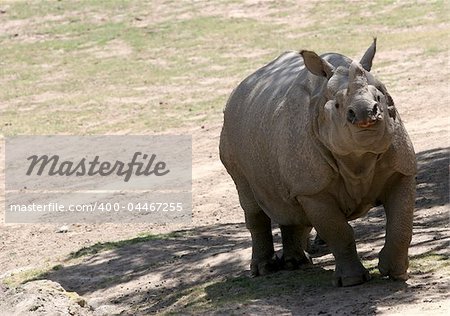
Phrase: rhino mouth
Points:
(366, 124)
(373, 139)
(367, 134)
(367, 130)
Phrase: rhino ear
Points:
(366, 60)
(390, 105)
(390, 102)
(317, 65)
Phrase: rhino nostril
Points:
(351, 116)
(375, 109)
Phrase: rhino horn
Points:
(317, 65)
(357, 80)
(366, 60)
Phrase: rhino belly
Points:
(279, 207)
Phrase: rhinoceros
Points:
(316, 141)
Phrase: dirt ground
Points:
(204, 267)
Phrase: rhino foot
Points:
(400, 277)
(393, 276)
(354, 276)
(393, 265)
(294, 263)
(351, 280)
(264, 267)
(318, 247)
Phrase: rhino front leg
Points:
(295, 240)
(399, 208)
(333, 227)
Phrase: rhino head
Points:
(358, 115)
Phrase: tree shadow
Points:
(433, 178)
(306, 286)
(432, 191)
(208, 266)
(155, 270)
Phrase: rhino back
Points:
(258, 92)
(249, 112)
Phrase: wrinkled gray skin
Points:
(316, 142)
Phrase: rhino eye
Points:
(336, 104)
(378, 98)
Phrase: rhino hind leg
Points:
(264, 260)
(295, 240)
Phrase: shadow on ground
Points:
(205, 269)
(432, 192)
(433, 178)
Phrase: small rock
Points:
(63, 229)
